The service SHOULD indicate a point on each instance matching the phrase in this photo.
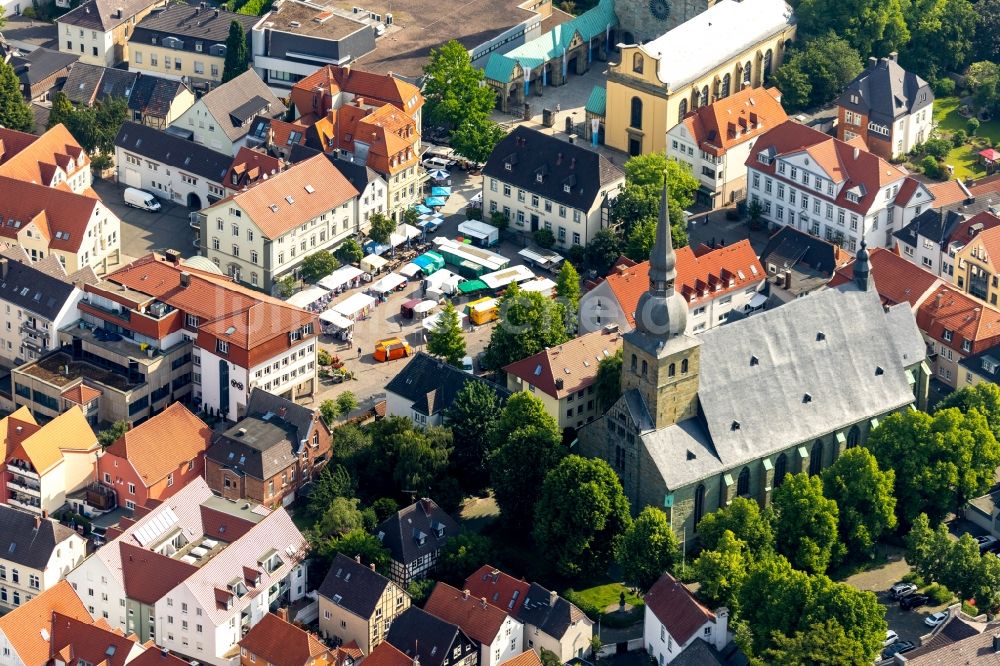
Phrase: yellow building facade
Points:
(733, 45)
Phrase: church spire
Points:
(862, 268)
(661, 312)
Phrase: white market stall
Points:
(430, 322)
(387, 284)
(309, 298)
(337, 325)
(546, 260)
(403, 233)
(500, 279)
(343, 277)
(423, 307)
(410, 270)
(441, 282)
(354, 306)
(373, 263)
(481, 233)
(542, 285)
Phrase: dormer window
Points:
(852, 197)
(539, 178)
(764, 157)
(567, 188)
(508, 166)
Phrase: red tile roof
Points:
(81, 394)
(154, 656)
(280, 643)
(896, 279)
(482, 621)
(733, 120)
(89, 641)
(223, 526)
(946, 308)
(36, 160)
(837, 158)
(574, 362)
(385, 654)
(947, 192)
(677, 609)
(250, 167)
(696, 275)
(526, 658)
(23, 626)
(972, 227)
(143, 447)
(314, 94)
(501, 590)
(61, 217)
(148, 575)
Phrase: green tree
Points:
(15, 113)
(62, 110)
(544, 238)
(527, 444)
(454, 90)
(568, 286)
(983, 80)
(318, 265)
(608, 383)
(461, 555)
(346, 403)
(342, 515)
(805, 524)
(872, 27)
(956, 564)
(381, 228)
(499, 220)
(580, 516)
(422, 461)
(420, 589)
(471, 417)
(984, 397)
(927, 549)
(350, 252)
(110, 114)
(237, 55)
(646, 172)
(446, 340)
(940, 461)
(820, 644)
(550, 658)
(602, 250)
(529, 322)
(285, 285)
(642, 235)
(384, 507)
(744, 518)
(110, 435)
(817, 72)
(986, 46)
(333, 482)
(930, 166)
(476, 138)
(647, 548)
(721, 572)
(864, 498)
(941, 34)
(356, 543)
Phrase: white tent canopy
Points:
(542, 285)
(388, 283)
(373, 262)
(403, 233)
(351, 306)
(409, 270)
(430, 322)
(340, 277)
(443, 280)
(504, 277)
(424, 306)
(307, 296)
(333, 318)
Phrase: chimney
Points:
(357, 558)
(553, 597)
(185, 279)
(788, 278)
(283, 614)
(872, 61)
(216, 13)
(173, 256)
(372, 566)
(482, 601)
(894, 56)
(938, 299)
(857, 152)
(996, 643)
(465, 594)
(3, 267)
(38, 522)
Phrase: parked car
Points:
(936, 619)
(141, 199)
(890, 638)
(897, 648)
(467, 365)
(987, 543)
(911, 601)
(900, 590)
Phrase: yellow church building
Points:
(732, 45)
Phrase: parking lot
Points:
(144, 232)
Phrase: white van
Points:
(437, 162)
(141, 199)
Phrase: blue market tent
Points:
(441, 192)
(423, 209)
(434, 202)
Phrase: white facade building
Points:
(675, 619)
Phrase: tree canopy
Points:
(871, 27)
(805, 524)
(817, 71)
(986, 46)
(461, 555)
(608, 383)
(744, 518)
(940, 461)
(15, 112)
(580, 516)
(445, 339)
(863, 493)
(527, 444)
(453, 90)
(721, 571)
(602, 250)
(647, 548)
(472, 416)
(941, 36)
(529, 322)
(381, 227)
(237, 55)
(350, 252)
(318, 265)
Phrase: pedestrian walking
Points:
(359, 352)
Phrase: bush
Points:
(939, 594)
(937, 147)
(915, 578)
(959, 138)
(577, 254)
(589, 609)
(29, 12)
(972, 126)
(323, 357)
(545, 238)
(100, 162)
(944, 87)
(930, 167)
(474, 213)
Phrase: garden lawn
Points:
(607, 594)
(964, 158)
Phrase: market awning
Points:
(335, 319)
(403, 233)
(340, 277)
(420, 208)
(441, 191)
(388, 283)
(471, 286)
(425, 306)
(352, 305)
(373, 262)
(410, 269)
(434, 202)
(307, 296)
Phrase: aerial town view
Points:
(500, 333)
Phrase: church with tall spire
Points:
(732, 411)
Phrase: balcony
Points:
(25, 486)
(33, 330)
(25, 502)
(22, 469)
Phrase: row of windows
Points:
(536, 201)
